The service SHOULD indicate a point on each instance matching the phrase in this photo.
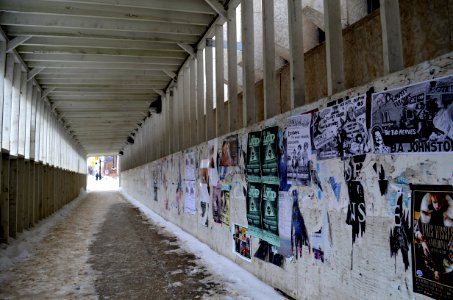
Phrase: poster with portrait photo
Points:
(242, 244)
(253, 164)
(327, 124)
(229, 151)
(299, 150)
(432, 251)
(269, 156)
(414, 119)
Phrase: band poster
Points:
(225, 205)
(340, 130)
(229, 155)
(253, 164)
(299, 150)
(270, 214)
(432, 253)
(241, 242)
(269, 157)
(414, 119)
(254, 208)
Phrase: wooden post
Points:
(13, 195)
(248, 62)
(4, 198)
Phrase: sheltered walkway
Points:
(100, 246)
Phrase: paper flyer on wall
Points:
(269, 208)
(229, 154)
(216, 203)
(189, 158)
(254, 208)
(298, 149)
(241, 242)
(189, 196)
(353, 133)
(326, 125)
(432, 251)
(213, 171)
(414, 119)
(253, 164)
(269, 158)
(225, 205)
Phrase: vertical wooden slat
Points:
(233, 112)
(219, 81)
(210, 122)
(248, 61)
(391, 36)
(201, 125)
(296, 53)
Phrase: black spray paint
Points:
(399, 234)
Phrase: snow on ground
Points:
(107, 183)
(230, 274)
(20, 249)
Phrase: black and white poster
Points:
(353, 133)
(299, 150)
(269, 158)
(340, 130)
(432, 251)
(253, 165)
(414, 119)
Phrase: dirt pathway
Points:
(106, 249)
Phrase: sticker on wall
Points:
(225, 205)
(216, 203)
(432, 251)
(253, 165)
(399, 235)
(299, 234)
(414, 119)
(269, 253)
(241, 242)
(269, 159)
(299, 150)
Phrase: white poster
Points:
(299, 149)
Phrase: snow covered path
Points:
(101, 246)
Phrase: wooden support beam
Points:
(15, 110)
(201, 125)
(210, 122)
(219, 83)
(7, 101)
(188, 49)
(170, 74)
(13, 198)
(248, 59)
(391, 36)
(193, 101)
(217, 7)
(34, 72)
(233, 108)
(296, 49)
(47, 92)
(271, 101)
(16, 42)
(4, 198)
(22, 205)
(334, 46)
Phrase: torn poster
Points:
(216, 203)
(269, 253)
(213, 171)
(284, 223)
(253, 165)
(190, 166)
(241, 242)
(225, 205)
(299, 149)
(353, 133)
(414, 119)
(282, 160)
(432, 251)
(189, 194)
(299, 233)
